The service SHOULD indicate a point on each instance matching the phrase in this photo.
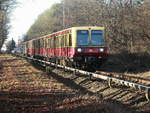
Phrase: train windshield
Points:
(83, 37)
(97, 38)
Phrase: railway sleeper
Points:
(109, 83)
(147, 94)
(92, 78)
(147, 91)
(48, 69)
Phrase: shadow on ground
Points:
(15, 102)
(114, 96)
(124, 62)
(82, 100)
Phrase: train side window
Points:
(45, 43)
(59, 38)
(36, 44)
(58, 42)
(65, 40)
(52, 42)
(49, 43)
(70, 40)
(40, 43)
(55, 42)
(62, 41)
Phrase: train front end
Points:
(90, 47)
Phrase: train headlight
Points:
(79, 50)
(101, 49)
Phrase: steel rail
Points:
(103, 77)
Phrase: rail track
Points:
(110, 78)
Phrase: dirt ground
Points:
(26, 88)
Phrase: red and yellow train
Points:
(82, 47)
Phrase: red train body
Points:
(77, 46)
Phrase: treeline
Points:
(126, 21)
(5, 8)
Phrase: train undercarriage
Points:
(88, 63)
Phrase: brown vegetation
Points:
(126, 22)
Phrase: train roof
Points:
(66, 31)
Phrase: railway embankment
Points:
(27, 88)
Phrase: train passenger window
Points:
(59, 41)
(62, 41)
(38, 44)
(41, 43)
(56, 42)
(45, 42)
(52, 42)
(49, 43)
(70, 40)
(58, 38)
(65, 38)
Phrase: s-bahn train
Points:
(82, 47)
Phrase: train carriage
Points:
(82, 47)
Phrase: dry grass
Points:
(25, 89)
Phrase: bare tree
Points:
(126, 21)
(5, 8)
